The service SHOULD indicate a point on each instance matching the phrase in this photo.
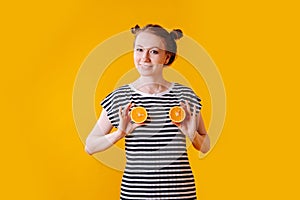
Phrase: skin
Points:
(149, 58)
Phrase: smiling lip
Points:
(145, 65)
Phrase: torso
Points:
(157, 163)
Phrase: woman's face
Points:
(149, 54)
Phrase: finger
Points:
(127, 108)
(135, 125)
(188, 107)
(176, 124)
(120, 111)
(132, 105)
(194, 111)
(183, 105)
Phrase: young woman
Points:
(157, 164)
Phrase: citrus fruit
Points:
(138, 114)
(177, 114)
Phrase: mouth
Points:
(143, 65)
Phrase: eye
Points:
(139, 49)
(154, 52)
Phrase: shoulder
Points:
(116, 95)
(182, 88)
(119, 91)
(186, 92)
(112, 102)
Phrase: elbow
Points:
(205, 147)
(88, 151)
(86, 148)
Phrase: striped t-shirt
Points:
(157, 165)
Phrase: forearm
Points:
(201, 142)
(96, 144)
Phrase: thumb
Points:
(135, 125)
(176, 124)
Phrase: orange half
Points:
(138, 114)
(177, 114)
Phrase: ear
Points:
(167, 58)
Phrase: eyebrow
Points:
(150, 47)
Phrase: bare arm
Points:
(200, 139)
(99, 139)
(193, 127)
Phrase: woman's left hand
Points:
(189, 125)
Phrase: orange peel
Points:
(138, 114)
(177, 114)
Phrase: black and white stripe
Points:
(157, 165)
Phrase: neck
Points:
(151, 80)
(151, 85)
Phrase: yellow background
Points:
(255, 45)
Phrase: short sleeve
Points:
(193, 99)
(112, 102)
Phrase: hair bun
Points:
(135, 29)
(176, 34)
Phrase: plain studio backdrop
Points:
(254, 44)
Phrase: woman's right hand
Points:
(125, 125)
(99, 139)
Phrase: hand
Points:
(189, 125)
(125, 125)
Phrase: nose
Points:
(145, 56)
